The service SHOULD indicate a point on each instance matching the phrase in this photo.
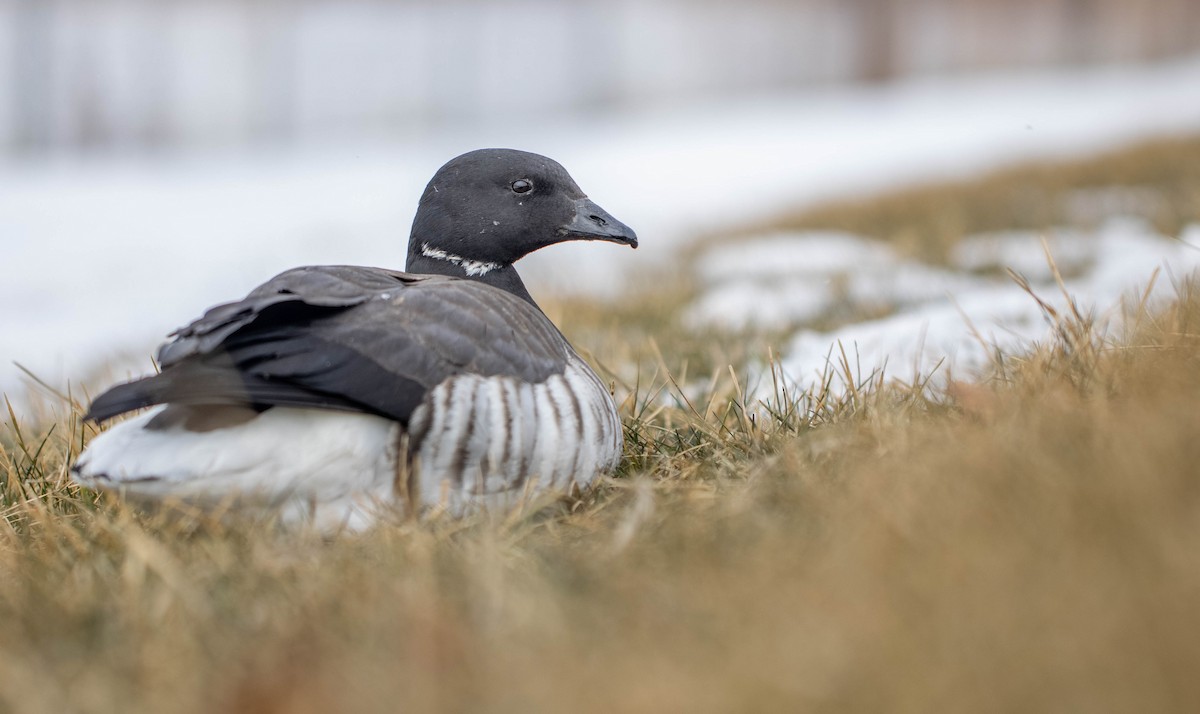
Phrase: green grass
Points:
(1023, 542)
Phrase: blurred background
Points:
(140, 74)
(158, 157)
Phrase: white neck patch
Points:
(473, 267)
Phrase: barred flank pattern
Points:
(496, 440)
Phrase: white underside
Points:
(489, 443)
(333, 468)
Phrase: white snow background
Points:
(103, 255)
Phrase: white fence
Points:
(79, 73)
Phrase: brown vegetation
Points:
(1023, 542)
(1157, 180)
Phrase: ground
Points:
(1020, 537)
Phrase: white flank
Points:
(591, 440)
(494, 476)
(548, 437)
(472, 267)
(494, 442)
(486, 443)
(568, 463)
(331, 467)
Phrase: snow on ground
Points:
(787, 279)
(104, 255)
(944, 319)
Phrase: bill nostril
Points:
(598, 220)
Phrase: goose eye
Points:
(522, 186)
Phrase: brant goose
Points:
(329, 391)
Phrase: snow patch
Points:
(947, 320)
(1025, 252)
(790, 254)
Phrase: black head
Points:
(487, 209)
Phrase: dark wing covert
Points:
(347, 338)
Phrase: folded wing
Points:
(346, 338)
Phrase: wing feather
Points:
(346, 338)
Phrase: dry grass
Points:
(1025, 542)
(1157, 180)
